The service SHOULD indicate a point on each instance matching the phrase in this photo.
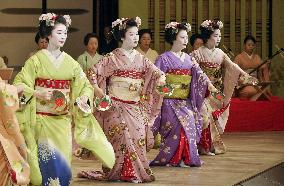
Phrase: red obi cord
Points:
(128, 73)
(209, 64)
(55, 84)
(179, 71)
(127, 172)
(182, 152)
(205, 141)
(123, 101)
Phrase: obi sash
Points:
(180, 80)
(126, 85)
(59, 104)
(214, 73)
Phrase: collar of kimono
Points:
(129, 54)
(181, 57)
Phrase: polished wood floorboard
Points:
(248, 154)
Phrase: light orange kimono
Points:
(14, 169)
(248, 64)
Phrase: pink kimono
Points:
(127, 123)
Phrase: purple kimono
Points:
(180, 123)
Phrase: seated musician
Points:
(248, 61)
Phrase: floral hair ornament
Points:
(121, 23)
(212, 25)
(175, 26)
(50, 18)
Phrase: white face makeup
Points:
(131, 38)
(215, 38)
(58, 36)
(181, 40)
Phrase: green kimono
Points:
(48, 134)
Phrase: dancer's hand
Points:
(20, 89)
(43, 94)
(211, 88)
(161, 81)
(99, 92)
(84, 99)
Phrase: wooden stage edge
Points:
(247, 155)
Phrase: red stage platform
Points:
(251, 116)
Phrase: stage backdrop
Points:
(19, 21)
(240, 18)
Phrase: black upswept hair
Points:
(207, 32)
(45, 30)
(120, 33)
(171, 33)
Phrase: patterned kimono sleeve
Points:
(26, 77)
(199, 86)
(99, 73)
(81, 83)
(88, 132)
(230, 64)
(160, 64)
(27, 116)
(10, 121)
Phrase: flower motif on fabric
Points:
(190, 114)
(113, 130)
(183, 121)
(175, 137)
(17, 166)
(9, 100)
(133, 156)
(9, 124)
(53, 182)
(122, 148)
(168, 125)
(167, 150)
(141, 142)
(149, 171)
(46, 152)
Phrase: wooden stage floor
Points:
(248, 154)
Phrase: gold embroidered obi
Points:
(214, 73)
(180, 80)
(126, 85)
(59, 103)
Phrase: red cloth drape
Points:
(251, 116)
